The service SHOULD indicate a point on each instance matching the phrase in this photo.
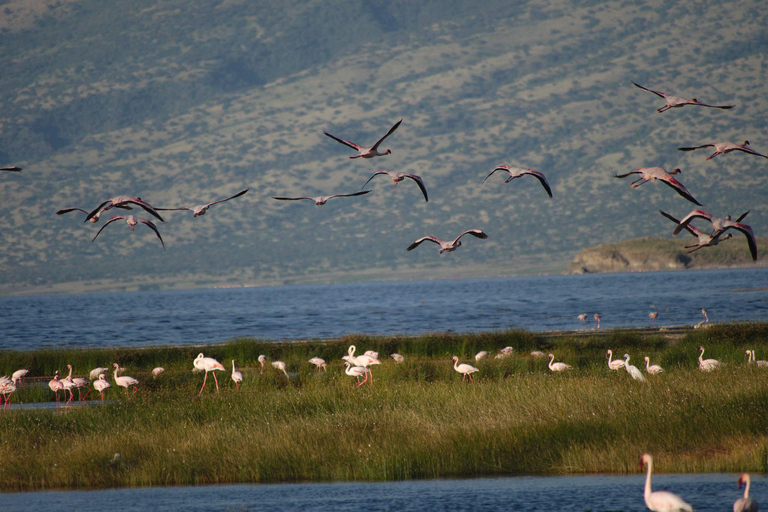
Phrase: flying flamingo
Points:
(367, 152)
(11, 168)
(280, 365)
(661, 501)
(131, 221)
(201, 209)
(659, 174)
(125, 381)
(722, 148)
(516, 172)
(236, 376)
(208, 364)
(653, 315)
(356, 371)
(319, 363)
(17, 375)
(582, 319)
(613, 364)
(704, 239)
(597, 320)
(632, 370)
(121, 202)
(397, 357)
(55, 385)
(745, 504)
(101, 384)
(720, 225)
(321, 200)
(558, 367)
(448, 246)
(466, 370)
(397, 177)
(676, 101)
(262, 360)
(707, 365)
(653, 369)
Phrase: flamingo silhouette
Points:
(676, 101)
(516, 172)
(397, 177)
(448, 246)
(722, 148)
(659, 173)
(321, 200)
(367, 152)
(132, 221)
(202, 208)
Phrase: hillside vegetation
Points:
(184, 102)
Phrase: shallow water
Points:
(540, 303)
(706, 492)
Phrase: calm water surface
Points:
(710, 492)
(541, 303)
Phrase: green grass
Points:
(418, 420)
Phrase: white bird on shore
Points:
(371, 353)
(236, 376)
(208, 364)
(101, 384)
(614, 364)
(319, 363)
(558, 367)
(397, 177)
(7, 389)
(661, 501)
(632, 370)
(653, 369)
(466, 370)
(202, 208)
(707, 365)
(280, 365)
(397, 357)
(722, 148)
(745, 504)
(367, 152)
(321, 200)
(653, 315)
(82, 383)
(448, 246)
(516, 172)
(125, 381)
(68, 384)
(677, 101)
(703, 323)
(597, 321)
(364, 360)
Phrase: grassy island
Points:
(417, 420)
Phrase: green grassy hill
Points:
(185, 102)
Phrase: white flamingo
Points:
(557, 367)
(661, 501)
(722, 148)
(356, 371)
(707, 365)
(653, 369)
(55, 385)
(676, 101)
(367, 152)
(582, 319)
(94, 375)
(516, 172)
(397, 177)
(262, 360)
(132, 221)
(483, 354)
(7, 387)
(125, 381)
(208, 364)
(720, 225)
(632, 370)
(399, 358)
(319, 363)
(745, 504)
(750, 355)
(366, 361)
(653, 315)
(538, 353)
(201, 209)
(466, 370)
(82, 383)
(123, 202)
(659, 174)
(448, 246)
(101, 384)
(597, 320)
(321, 200)
(614, 364)
(237, 377)
(280, 365)
(68, 384)
(703, 323)
(17, 375)
(157, 371)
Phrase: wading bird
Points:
(397, 177)
(653, 315)
(208, 364)
(131, 221)
(466, 370)
(516, 172)
(7, 387)
(122, 202)
(280, 365)
(321, 200)
(676, 101)
(653, 369)
(557, 367)
(704, 239)
(659, 173)
(720, 225)
(319, 363)
(356, 371)
(448, 246)
(750, 355)
(237, 377)
(262, 360)
(97, 371)
(157, 371)
(55, 385)
(202, 208)
(614, 364)
(722, 148)
(483, 354)
(101, 384)
(703, 323)
(397, 357)
(367, 152)
(707, 365)
(68, 384)
(660, 501)
(632, 370)
(17, 375)
(745, 504)
(582, 319)
(125, 381)
(597, 320)
(366, 361)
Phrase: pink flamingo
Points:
(397, 177)
(321, 200)
(356, 371)
(653, 315)
(722, 148)
(660, 501)
(614, 364)
(55, 385)
(720, 225)
(202, 208)
(208, 364)
(659, 173)
(448, 246)
(597, 320)
(125, 381)
(516, 172)
(466, 370)
(17, 375)
(557, 367)
(704, 239)
(101, 384)
(745, 504)
(131, 221)
(237, 377)
(367, 152)
(676, 101)
(123, 202)
(582, 319)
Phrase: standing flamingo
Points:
(653, 368)
(280, 365)
(614, 364)
(367, 152)
(208, 364)
(125, 381)
(661, 501)
(745, 504)
(364, 360)
(262, 360)
(483, 354)
(750, 355)
(7, 387)
(399, 358)
(703, 323)
(17, 375)
(597, 320)
(68, 384)
(516, 172)
(707, 365)
(632, 370)
(466, 370)
(558, 367)
(676, 101)
(659, 174)
(55, 385)
(319, 363)
(356, 371)
(236, 376)
(582, 319)
(653, 315)
(101, 384)
(97, 371)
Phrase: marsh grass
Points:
(418, 420)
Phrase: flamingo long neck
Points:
(701, 355)
(647, 493)
(233, 366)
(746, 487)
(610, 357)
(647, 363)
(551, 358)
(116, 368)
(69, 377)
(456, 364)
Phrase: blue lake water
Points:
(540, 303)
(709, 492)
